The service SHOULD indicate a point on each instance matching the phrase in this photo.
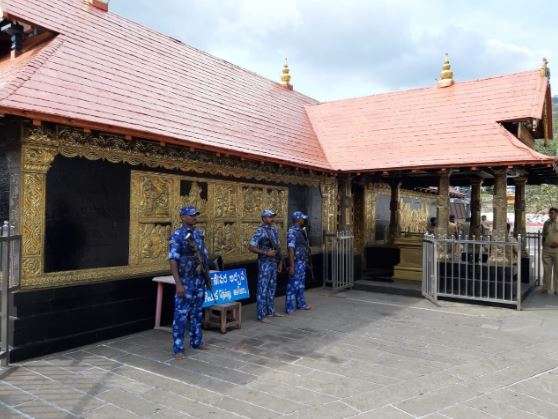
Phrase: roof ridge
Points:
(433, 87)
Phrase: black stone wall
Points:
(87, 214)
(308, 200)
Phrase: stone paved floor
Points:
(357, 354)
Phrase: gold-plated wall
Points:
(230, 212)
(410, 219)
(231, 208)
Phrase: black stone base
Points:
(58, 319)
(380, 262)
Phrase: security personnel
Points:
(265, 242)
(550, 252)
(190, 286)
(297, 244)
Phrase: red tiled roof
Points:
(110, 71)
(432, 127)
(103, 71)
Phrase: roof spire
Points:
(99, 4)
(446, 75)
(545, 71)
(286, 76)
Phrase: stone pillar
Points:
(442, 204)
(499, 206)
(519, 206)
(475, 229)
(394, 218)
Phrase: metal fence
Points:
(473, 269)
(10, 251)
(338, 260)
(532, 248)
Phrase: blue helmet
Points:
(268, 213)
(299, 215)
(189, 210)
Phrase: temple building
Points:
(109, 127)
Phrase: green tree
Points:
(540, 197)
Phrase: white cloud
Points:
(358, 47)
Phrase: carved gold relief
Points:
(413, 220)
(329, 192)
(154, 201)
(225, 240)
(35, 164)
(152, 241)
(225, 200)
(222, 218)
(253, 201)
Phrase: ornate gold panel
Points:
(230, 212)
(330, 202)
(411, 219)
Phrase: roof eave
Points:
(83, 124)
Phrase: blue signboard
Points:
(228, 286)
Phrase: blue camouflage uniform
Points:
(189, 307)
(298, 242)
(266, 238)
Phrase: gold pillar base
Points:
(410, 259)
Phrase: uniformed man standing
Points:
(265, 242)
(186, 249)
(550, 252)
(298, 247)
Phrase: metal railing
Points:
(338, 260)
(473, 269)
(532, 248)
(10, 252)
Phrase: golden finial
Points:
(545, 71)
(446, 75)
(286, 76)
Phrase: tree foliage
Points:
(540, 197)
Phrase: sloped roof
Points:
(105, 72)
(432, 127)
(113, 72)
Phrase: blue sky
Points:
(339, 49)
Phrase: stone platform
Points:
(357, 354)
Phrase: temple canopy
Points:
(96, 70)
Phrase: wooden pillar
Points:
(442, 204)
(519, 206)
(475, 229)
(395, 216)
(499, 206)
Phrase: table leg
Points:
(159, 305)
